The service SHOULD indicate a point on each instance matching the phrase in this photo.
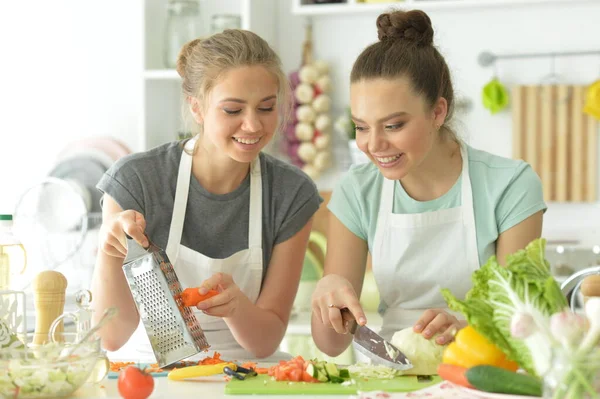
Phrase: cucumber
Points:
(332, 370)
(312, 370)
(344, 373)
(336, 380)
(498, 380)
(321, 376)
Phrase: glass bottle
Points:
(13, 258)
(182, 26)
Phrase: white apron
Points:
(193, 268)
(415, 255)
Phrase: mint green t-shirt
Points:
(505, 192)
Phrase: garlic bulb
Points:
(304, 131)
(307, 152)
(322, 103)
(304, 93)
(322, 141)
(306, 113)
(308, 74)
(323, 123)
(324, 84)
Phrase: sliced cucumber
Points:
(332, 370)
(344, 373)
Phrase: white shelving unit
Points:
(308, 8)
(161, 113)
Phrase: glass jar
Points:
(182, 26)
(220, 22)
(573, 376)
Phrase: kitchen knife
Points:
(372, 345)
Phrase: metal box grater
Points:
(172, 328)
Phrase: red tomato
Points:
(134, 383)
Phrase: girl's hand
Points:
(226, 303)
(438, 321)
(334, 292)
(113, 240)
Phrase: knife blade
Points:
(380, 351)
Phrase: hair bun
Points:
(413, 26)
(184, 55)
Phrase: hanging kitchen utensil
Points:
(172, 328)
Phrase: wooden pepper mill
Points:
(49, 299)
(590, 286)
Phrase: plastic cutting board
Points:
(263, 385)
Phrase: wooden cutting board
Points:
(263, 385)
(559, 141)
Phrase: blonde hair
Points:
(202, 62)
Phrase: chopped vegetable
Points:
(375, 371)
(215, 359)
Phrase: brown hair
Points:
(202, 62)
(405, 49)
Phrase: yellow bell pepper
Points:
(471, 349)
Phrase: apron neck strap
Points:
(181, 198)
(255, 220)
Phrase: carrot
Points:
(249, 365)
(454, 374)
(192, 296)
(216, 359)
(118, 366)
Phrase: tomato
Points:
(134, 383)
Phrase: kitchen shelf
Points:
(161, 74)
(300, 7)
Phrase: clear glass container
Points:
(182, 26)
(13, 259)
(573, 376)
(220, 22)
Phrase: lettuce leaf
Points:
(524, 285)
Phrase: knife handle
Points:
(349, 320)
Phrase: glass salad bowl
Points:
(54, 369)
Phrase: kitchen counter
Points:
(213, 388)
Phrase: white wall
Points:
(461, 34)
(72, 69)
(69, 69)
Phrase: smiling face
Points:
(240, 114)
(395, 128)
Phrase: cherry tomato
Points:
(134, 383)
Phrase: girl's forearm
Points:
(110, 289)
(327, 339)
(257, 330)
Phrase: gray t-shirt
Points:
(215, 225)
